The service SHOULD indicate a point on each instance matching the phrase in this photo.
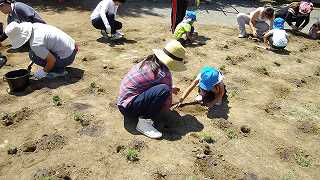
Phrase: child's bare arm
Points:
(188, 90)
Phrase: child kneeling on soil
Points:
(211, 87)
(314, 31)
(103, 18)
(49, 47)
(185, 28)
(277, 38)
(147, 89)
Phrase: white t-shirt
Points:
(279, 37)
(259, 18)
(46, 38)
(105, 6)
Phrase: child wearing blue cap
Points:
(277, 38)
(185, 28)
(211, 87)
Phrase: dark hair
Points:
(153, 62)
(9, 1)
(122, 1)
(269, 11)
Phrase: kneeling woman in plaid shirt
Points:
(147, 89)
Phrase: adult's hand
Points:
(254, 33)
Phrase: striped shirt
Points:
(139, 80)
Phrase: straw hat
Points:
(172, 55)
(18, 34)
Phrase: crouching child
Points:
(277, 38)
(210, 87)
(184, 32)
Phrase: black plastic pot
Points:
(18, 80)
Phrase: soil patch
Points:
(309, 127)
(8, 119)
(214, 166)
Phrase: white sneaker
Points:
(120, 33)
(199, 98)
(145, 126)
(116, 36)
(242, 35)
(104, 33)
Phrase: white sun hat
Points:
(172, 55)
(18, 34)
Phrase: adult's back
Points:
(23, 13)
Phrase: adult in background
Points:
(18, 12)
(103, 18)
(314, 31)
(297, 14)
(147, 89)
(260, 21)
(50, 47)
(178, 12)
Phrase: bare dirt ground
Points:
(267, 128)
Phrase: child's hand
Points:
(254, 33)
(175, 90)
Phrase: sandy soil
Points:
(267, 128)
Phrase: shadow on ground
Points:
(172, 125)
(113, 43)
(74, 75)
(221, 111)
(139, 7)
(199, 41)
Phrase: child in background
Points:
(277, 38)
(314, 31)
(103, 18)
(211, 87)
(185, 28)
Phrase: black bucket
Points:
(18, 80)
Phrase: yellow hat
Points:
(172, 55)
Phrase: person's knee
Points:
(164, 90)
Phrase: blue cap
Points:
(278, 23)
(209, 77)
(191, 15)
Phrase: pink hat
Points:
(305, 7)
